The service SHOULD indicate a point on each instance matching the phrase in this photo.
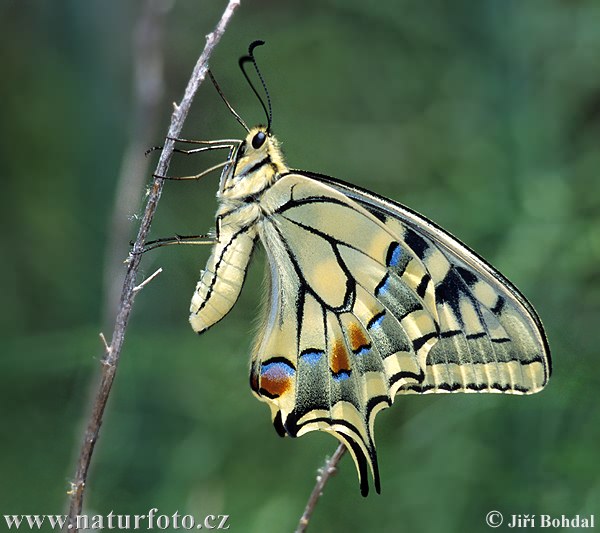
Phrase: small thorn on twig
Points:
(139, 287)
(107, 347)
(75, 487)
(175, 106)
(107, 360)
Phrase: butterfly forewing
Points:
(490, 337)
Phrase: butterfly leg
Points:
(178, 239)
(196, 176)
(208, 145)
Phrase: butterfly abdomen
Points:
(222, 279)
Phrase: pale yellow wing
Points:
(491, 339)
(366, 300)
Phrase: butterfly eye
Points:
(258, 140)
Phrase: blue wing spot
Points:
(394, 254)
(363, 350)
(376, 321)
(277, 369)
(382, 287)
(312, 357)
(341, 376)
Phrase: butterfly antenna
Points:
(229, 106)
(250, 58)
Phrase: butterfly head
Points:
(256, 163)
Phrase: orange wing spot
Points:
(340, 361)
(276, 379)
(358, 339)
(274, 387)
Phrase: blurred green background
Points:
(482, 115)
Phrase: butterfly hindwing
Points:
(368, 300)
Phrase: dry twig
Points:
(112, 355)
(328, 470)
(147, 280)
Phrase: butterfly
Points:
(366, 300)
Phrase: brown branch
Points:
(113, 353)
(328, 470)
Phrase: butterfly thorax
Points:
(257, 164)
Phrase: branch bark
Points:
(328, 470)
(112, 355)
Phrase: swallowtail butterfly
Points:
(367, 300)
